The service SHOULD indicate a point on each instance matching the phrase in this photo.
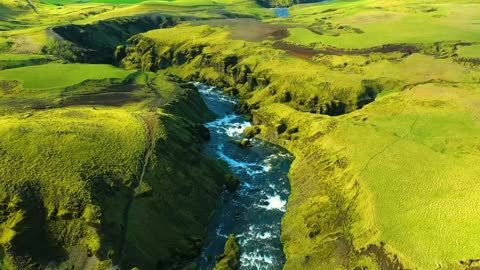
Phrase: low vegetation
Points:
(230, 259)
(408, 162)
(284, 3)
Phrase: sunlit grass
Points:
(413, 154)
(384, 22)
(61, 75)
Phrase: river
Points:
(255, 211)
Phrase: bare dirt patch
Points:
(106, 99)
(296, 50)
(380, 16)
(250, 29)
(383, 258)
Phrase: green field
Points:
(382, 22)
(470, 51)
(418, 156)
(401, 170)
(66, 2)
(19, 60)
(75, 137)
(68, 149)
(61, 75)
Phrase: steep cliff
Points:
(355, 170)
(256, 71)
(102, 177)
(98, 42)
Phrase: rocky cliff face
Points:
(168, 217)
(241, 73)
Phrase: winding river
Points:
(255, 211)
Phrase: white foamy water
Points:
(229, 124)
(237, 130)
(213, 91)
(264, 235)
(275, 203)
(249, 168)
(256, 260)
(254, 212)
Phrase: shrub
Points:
(250, 132)
(230, 259)
(231, 183)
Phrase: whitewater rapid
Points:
(255, 211)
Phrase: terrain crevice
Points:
(97, 42)
(232, 73)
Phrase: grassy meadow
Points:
(61, 75)
(414, 175)
(75, 138)
(364, 24)
(50, 162)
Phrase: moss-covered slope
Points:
(333, 83)
(230, 259)
(377, 202)
(383, 122)
(90, 183)
(253, 69)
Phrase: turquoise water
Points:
(282, 12)
(255, 211)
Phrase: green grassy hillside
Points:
(329, 83)
(411, 181)
(363, 24)
(92, 168)
(55, 168)
(284, 3)
(377, 100)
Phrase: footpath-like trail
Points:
(150, 123)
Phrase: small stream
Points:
(255, 211)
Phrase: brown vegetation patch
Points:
(107, 99)
(383, 258)
(308, 52)
(296, 50)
